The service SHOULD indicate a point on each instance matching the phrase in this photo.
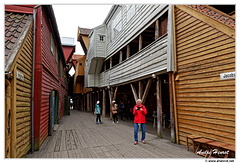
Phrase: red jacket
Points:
(139, 114)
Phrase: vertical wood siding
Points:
(205, 104)
(23, 98)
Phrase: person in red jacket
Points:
(139, 112)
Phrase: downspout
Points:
(33, 71)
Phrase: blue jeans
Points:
(136, 127)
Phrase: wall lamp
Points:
(154, 78)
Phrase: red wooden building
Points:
(51, 79)
(50, 74)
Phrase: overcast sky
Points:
(69, 17)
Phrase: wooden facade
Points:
(51, 87)
(205, 48)
(18, 83)
(115, 47)
(35, 77)
(173, 57)
(130, 56)
(79, 75)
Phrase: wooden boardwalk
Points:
(77, 136)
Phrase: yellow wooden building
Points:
(18, 83)
(205, 72)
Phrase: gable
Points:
(16, 27)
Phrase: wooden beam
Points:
(134, 92)
(214, 23)
(128, 51)
(140, 42)
(159, 108)
(172, 122)
(173, 75)
(111, 62)
(110, 101)
(13, 153)
(146, 90)
(120, 56)
(104, 103)
(115, 94)
(156, 29)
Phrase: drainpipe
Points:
(33, 71)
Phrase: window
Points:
(101, 37)
(52, 44)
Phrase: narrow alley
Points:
(77, 136)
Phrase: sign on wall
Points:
(20, 76)
(228, 75)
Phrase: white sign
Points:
(228, 75)
(20, 76)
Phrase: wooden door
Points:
(51, 112)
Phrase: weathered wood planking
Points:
(104, 141)
(23, 98)
(205, 104)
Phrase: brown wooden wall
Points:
(23, 91)
(205, 104)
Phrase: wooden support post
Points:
(146, 90)
(104, 103)
(120, 56)
(110, 101)
(88, 102)
(111, 62)
(159, 108)
(98, 93)
(115, 94)
(140, 89)
(91, 101)
(156, 29)
(13, 116)
(140, 42)
(128, 51)
(173, 139)
(112, 98)
(84, 102)
(134, 92)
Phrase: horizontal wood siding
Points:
(51, 79)
(205, 104)
(23, 98)
(149, 60)
(145, 15)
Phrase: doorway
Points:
(53, 110)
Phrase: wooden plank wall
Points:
(150, 60)
(144, 16)
(205, 104)
(52, 79)
(23, 98)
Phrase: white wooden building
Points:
(171, 57)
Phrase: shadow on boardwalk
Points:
(79, 137)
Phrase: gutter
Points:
(33, 72)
